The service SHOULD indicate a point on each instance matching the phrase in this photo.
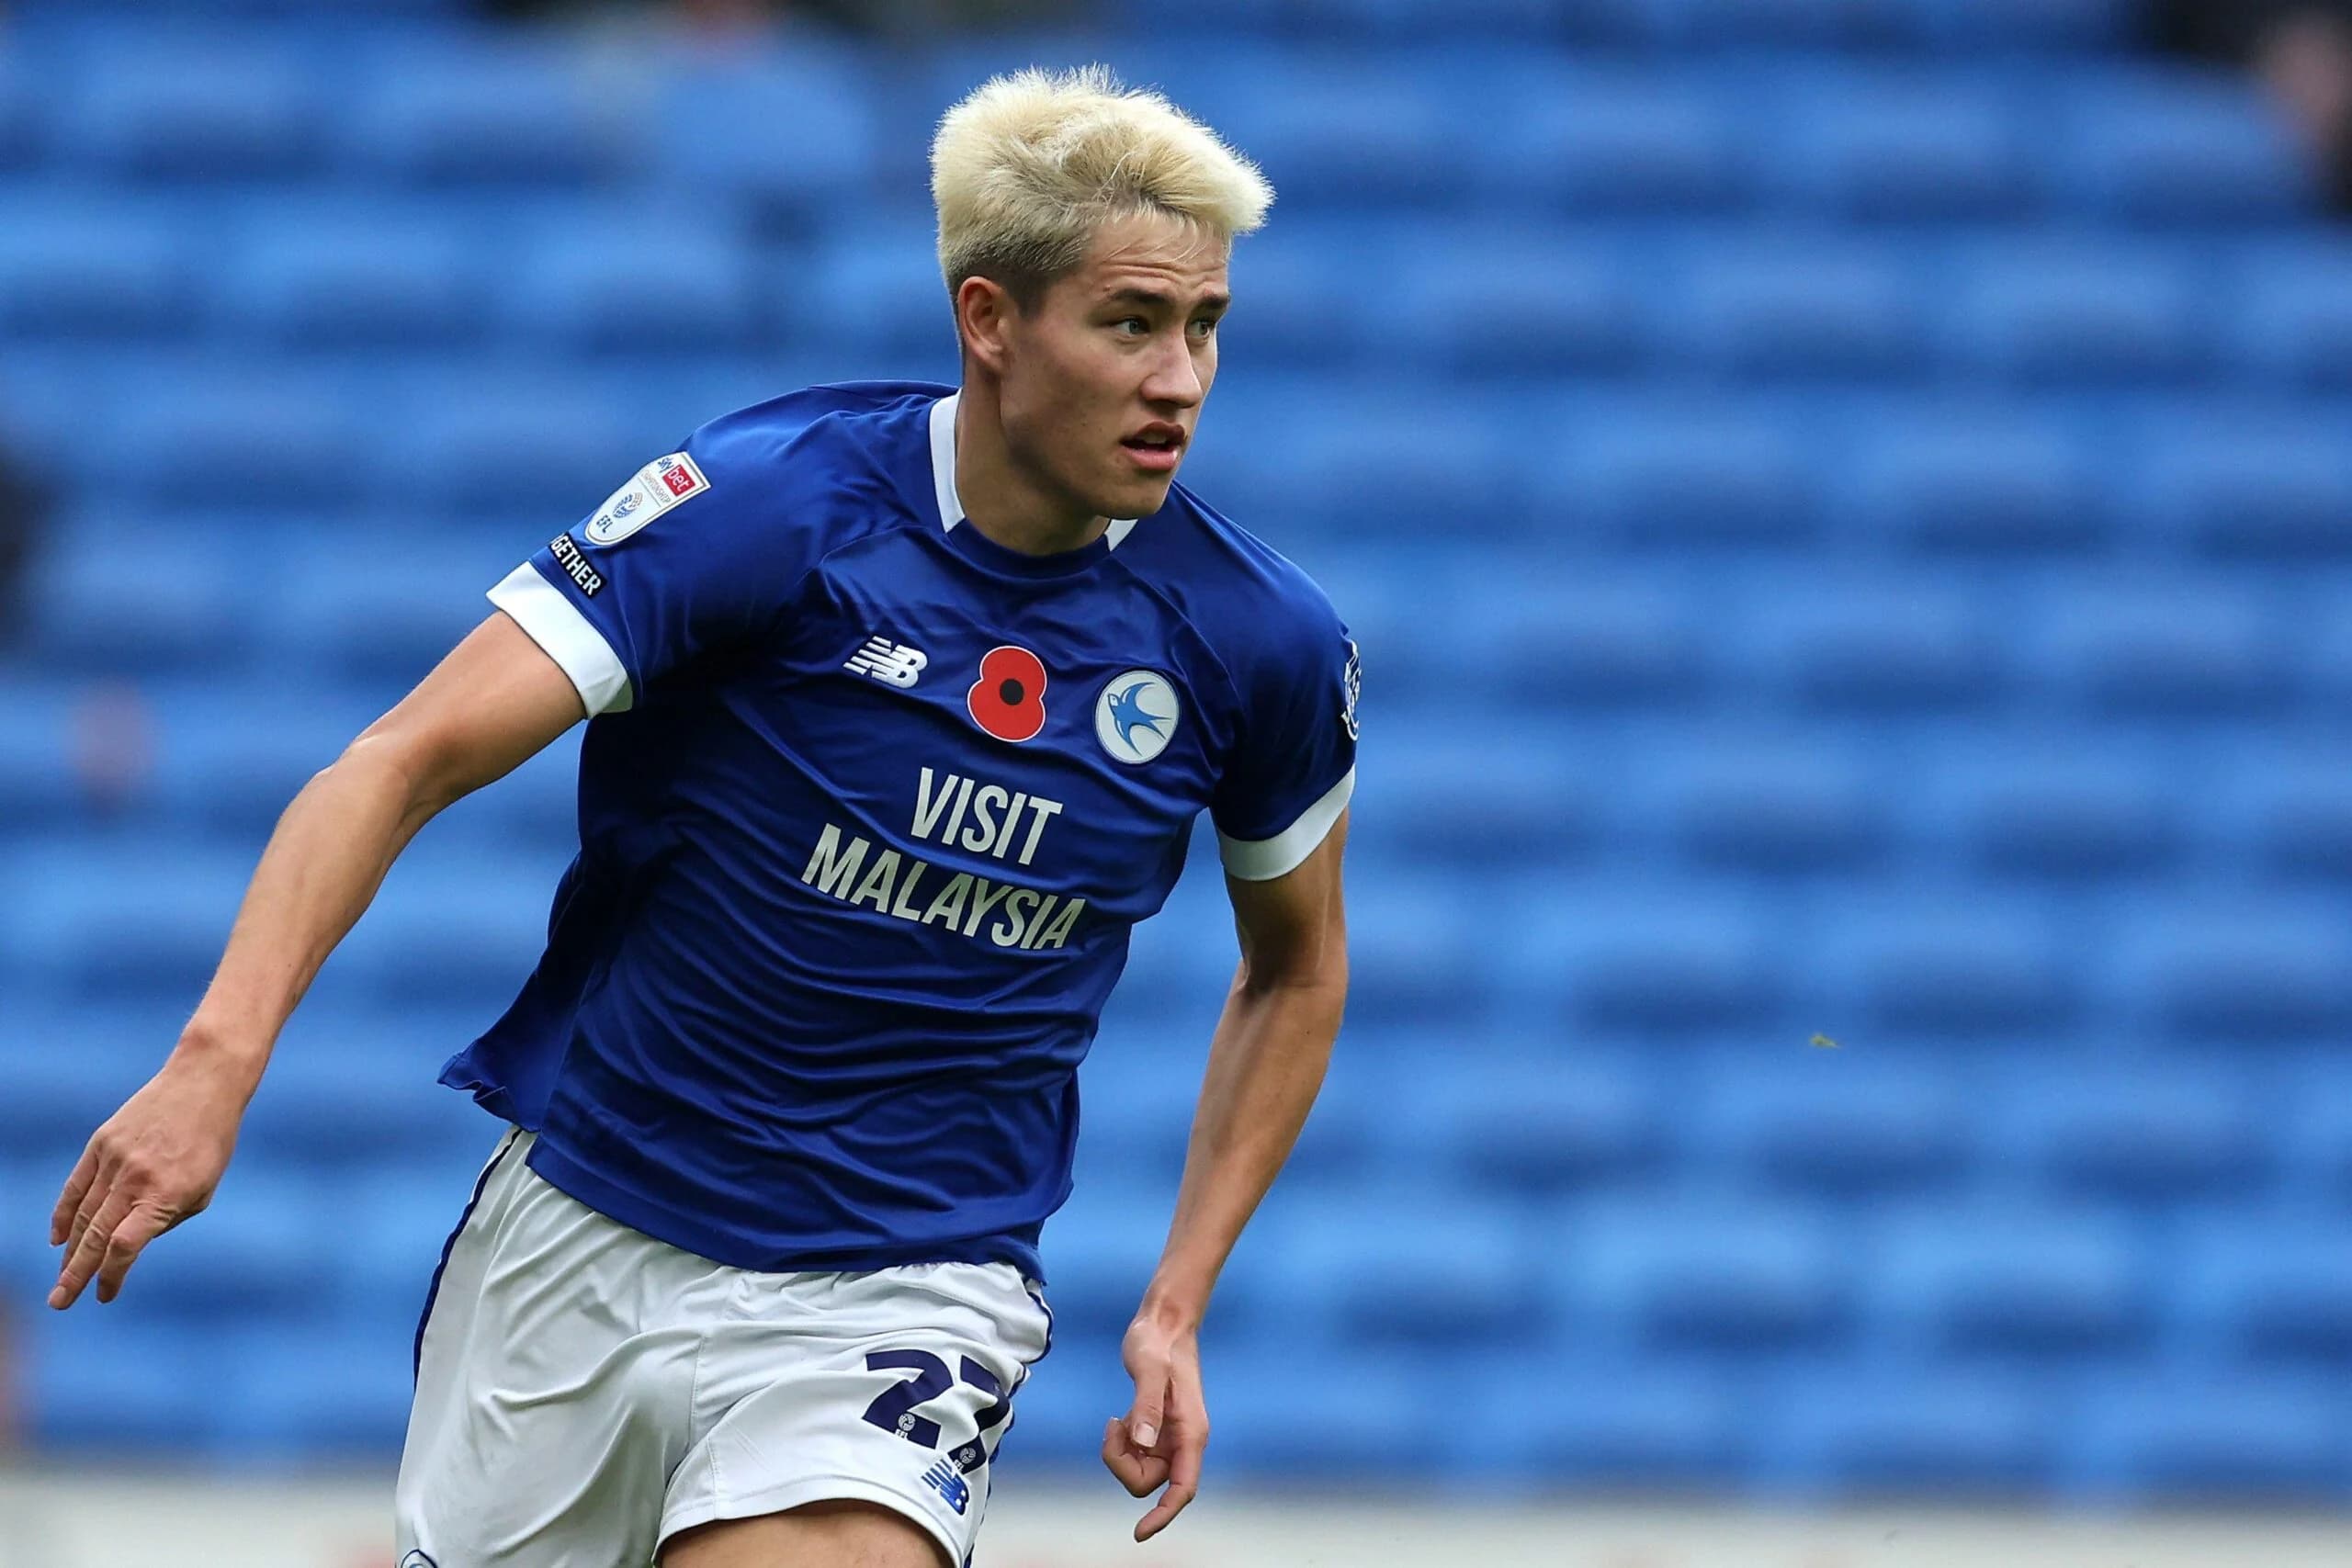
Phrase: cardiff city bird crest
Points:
(1136, 716)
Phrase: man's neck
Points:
(1006, 505)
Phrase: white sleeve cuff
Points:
(566, 637)
(1262, 860)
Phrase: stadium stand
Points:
(1846, 510)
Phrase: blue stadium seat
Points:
(125, 915)
(1429, 1271)
(2011, 24)
(397, 1215)
(2194, 1438)
(1600, 1420)
(227, 106)
(1368, 1415)
(2285, 315)
(400, 616)
(97, 1382)
(1521, 1126)
(266, 444)
(788, 133)
(2152, 1132)
(1136, 1092)
(2286, 812)
(253, 1253)
(2027, 805)
(1850, 1123)
(2074, 314)
(19, 124)
(1595, 637)
(37, 785)
(1441, 798)
(1658, 480)
(2007, 1280)
(493, 115)
(131, 602)
(1642, 1275)
(2277, 490)
(1421, 952)
(67, 1072)
(1830, 641)
(1645, 965)
(334, 1391)
(1510, 300)
(1910, 1434)
(543, 452)
(1972, 483)
(1769, 806)
(1920, 150)
(2278, 1292)
(227, 764)
(1101, 1248)
(2234, 971)
(81, 273)
(1339, 132)
(867, 287)
(402, 277)
(1779, 310)
(350, 1088)
(1617, 141)
(689, 293)
(2172, 649)
(2179, 148)
(1956, 969)
(450, 928)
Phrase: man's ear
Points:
(984, 314)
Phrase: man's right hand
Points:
(155, 1163)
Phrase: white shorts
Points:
(584, 1392)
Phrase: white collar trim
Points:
(943, 473)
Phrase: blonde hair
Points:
(1030, 164)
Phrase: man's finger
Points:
(69, 1202)
(1171, 1503)
(1141, 1473)
(82, 1260)
(1187, 1440)
(1151, 1398)
(143, 1224)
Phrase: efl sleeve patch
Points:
(650, 492)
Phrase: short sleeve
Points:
(1295, 763)
(676, 561)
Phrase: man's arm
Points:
(1266, 1063)
(495, 701)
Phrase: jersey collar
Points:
(942, 476)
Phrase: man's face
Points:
(1105, 380)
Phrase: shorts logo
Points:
(1351, 688)
(1009, 699)
(944, 1479)
(1136, 716)
(418, 1559)
(650, 492)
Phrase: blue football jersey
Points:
(867, 806)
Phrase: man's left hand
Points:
(1161, 1440)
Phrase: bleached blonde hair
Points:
(1031, 163)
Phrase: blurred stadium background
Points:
(1848, 509)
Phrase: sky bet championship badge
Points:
(650, 492)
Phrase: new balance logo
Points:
(942, 1479)
(892, 662)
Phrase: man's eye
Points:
(1138, 323)
(1205, 326)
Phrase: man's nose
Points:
(1174, 378)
